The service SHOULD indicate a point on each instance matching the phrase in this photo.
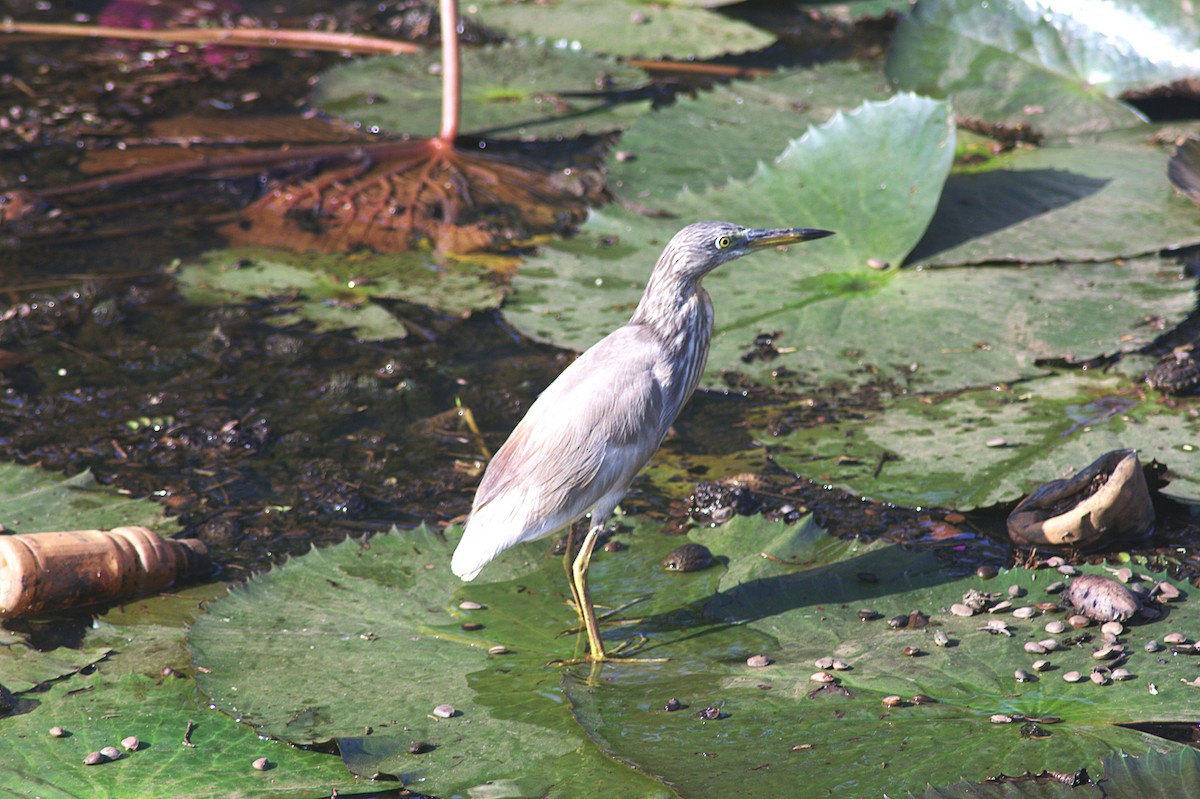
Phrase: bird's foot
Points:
(607, 618)
(617, 654)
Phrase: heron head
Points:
(701, 247)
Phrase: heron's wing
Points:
(583, 440)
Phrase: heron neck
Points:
(680, 313)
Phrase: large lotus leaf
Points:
(1098, 198)
(335, 291)
(1056, 66)
(730, 129)
(511, 91)
(375, 630)
(98, 710)
(1155, 776)
(626, 28)
(892, 157)
(991, 445)
(778, 727)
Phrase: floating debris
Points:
(758, 661)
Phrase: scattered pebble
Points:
(262, 764)
(1049, 644)
(996, 442)
(1016, 591)
(1041, 665)
(824, 663)
(823, 677)
(498, 649)
(1122, 674)
(673, 704)
(1152, 646)
(940, 638)
(1174, 638)
(1072, 676)
(1055, 627)
(1079, 621)
(1099, 677)
(445, 711)
(1020, 675)
(986, 572)
(131, 744)
(758, 661)
(1025, 613)
(892, 701)
(840, 665)
(58, 732)
(1104, 653)
(94, 759)
(469, 605)
(1034, 648)
(1112, 627)
(959, 609)
(1000, 718)
(111, 752)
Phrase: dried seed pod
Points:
(1000, 718)
(824, 663)
(1101, 598)
(1055, 627)
(499, 649)
(822, 677)
(1164, 591)
(261, 764)
(94, 759)
(1152, 646)
(1048, 607)
(1072, 676)
(959, 609)
(1174, 638)
(1049, 644)
(840, 665)
(1104, 653)
(1041, 665)
(940, 638)
(892, 701)
(1000, 606)
(689, 557)
(922, 699)
(986, 572)
(469, 605)
(1025, 613)
(445, 711)
(896, 622)
(131, 744)
(1034, 648)
(1112, 628)
(1121, 674)
(1099, 677)
(1056, 587)
(1079, 621)
(911, 652)
(1020, 675)
(868, 614)
(111, 752)
(759, 661)
(1016, 591)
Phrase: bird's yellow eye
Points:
(723, 242)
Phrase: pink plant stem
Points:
(451, 73)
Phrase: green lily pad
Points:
(990, 445)
(1157, 775)
(1056, 68)
(895, 156)
(335, 292)
(98, 711)
(511, 91)
(775, 722)
(375, 628)
(732, 128)
(1096, 199)
(625, 28)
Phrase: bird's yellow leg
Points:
(568, 562)
(583, 594)
(580, 588)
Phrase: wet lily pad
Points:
(716, 126)
(1099, 198)
(1058, 68)
(509, 91)
(336, 292)
(98, 711)
(989, 445)
(777, 722)
(626, 28)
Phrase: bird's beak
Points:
(758, 238)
